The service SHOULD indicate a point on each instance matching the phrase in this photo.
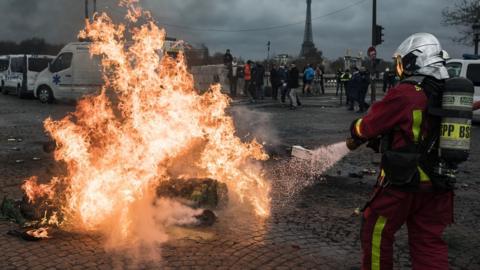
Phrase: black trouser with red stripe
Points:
(426, 214)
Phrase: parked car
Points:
(467, 68)
(20, 72)
(72, 74)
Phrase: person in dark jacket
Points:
(358, 89)
(346, 77)
(388, 79)
(259, 81)
(354, 88)
(275, 81)
(283, 76)
(293, 85)
(319, 80)
(385, 80)
(364, 85)
(304, 80)
(338, 77)
(227, 58)
(253, 85)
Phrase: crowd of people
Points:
(285, 82)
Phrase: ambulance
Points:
(74, 73)
(71, 75)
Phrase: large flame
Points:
(148, 125)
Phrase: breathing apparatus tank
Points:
(456, 124)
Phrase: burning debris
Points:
(40, 233)
(158, 130)
(33, 218)
(30, 234)
(197, 193)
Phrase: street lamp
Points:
(476, 34)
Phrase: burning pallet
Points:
(196, 193)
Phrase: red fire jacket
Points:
(402, 110)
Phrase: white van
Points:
(21, 72)
(470, 69)
(4, 64)
(71, 75)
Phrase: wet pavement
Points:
(311, 225)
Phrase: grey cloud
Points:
(60, 20)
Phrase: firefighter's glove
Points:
(354, 144)
(354, 141)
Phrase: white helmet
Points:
(421, 54)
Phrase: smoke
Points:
(151, 218)
(296, 174)
(251, 124)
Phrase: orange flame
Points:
(33, 190)
(38, 233)
(148, 125)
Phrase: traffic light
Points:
(378, 34)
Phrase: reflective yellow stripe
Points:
(381, 178)
(423, 176)
(376, 242)
(417, 123)
(358, 128)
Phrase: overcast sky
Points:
(58, 21)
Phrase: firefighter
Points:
(407, 190)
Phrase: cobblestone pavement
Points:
(309, 229)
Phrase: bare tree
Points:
(463, 14)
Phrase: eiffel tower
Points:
(308, 47)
